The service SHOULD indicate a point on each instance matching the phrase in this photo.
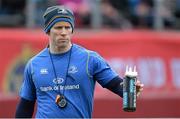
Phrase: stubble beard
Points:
(62, 46)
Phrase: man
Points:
(62, 76)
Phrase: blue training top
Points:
(85, 68)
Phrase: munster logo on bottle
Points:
(129, 90)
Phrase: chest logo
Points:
(72, 69)
(58, 80)
(44, 71)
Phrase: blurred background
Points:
(144, 33)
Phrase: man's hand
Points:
(133, 73)
(139, 87)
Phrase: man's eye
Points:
(67, 27)
(59, 27)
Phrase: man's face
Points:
(60, 34)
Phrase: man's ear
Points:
(48, 33)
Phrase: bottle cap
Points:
(131, 73)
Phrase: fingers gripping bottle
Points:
(129, 90)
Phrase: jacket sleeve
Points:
(116, 86)
(25, 109)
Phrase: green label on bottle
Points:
(125, 99)
(131, 86)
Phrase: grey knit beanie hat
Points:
(56, 14)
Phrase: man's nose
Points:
(64, 31)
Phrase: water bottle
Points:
(129, 90)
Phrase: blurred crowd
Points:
(121, 14)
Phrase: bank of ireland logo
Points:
(58, 80)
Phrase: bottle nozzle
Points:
(130, 72)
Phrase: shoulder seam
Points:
(87, 65)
